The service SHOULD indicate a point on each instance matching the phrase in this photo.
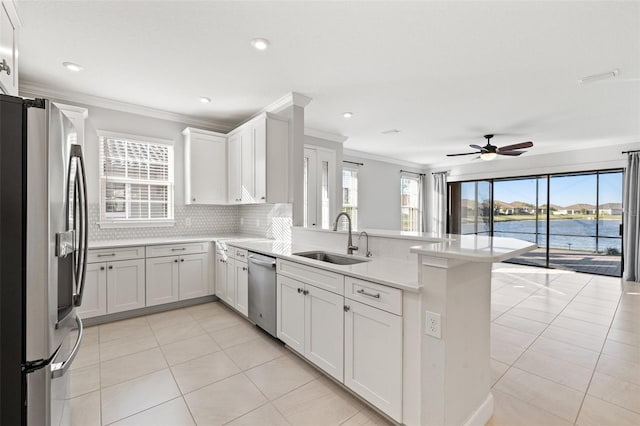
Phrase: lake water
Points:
(578, 234)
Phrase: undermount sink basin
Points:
(336, 259)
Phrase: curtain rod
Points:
(353, 162)
(446, 172)
(630, 152)
(413, 173)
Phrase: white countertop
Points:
(402, 274)
(475, 248)
(168, 240)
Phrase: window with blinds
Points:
(350, 194)
(136, 180)
(410, 200)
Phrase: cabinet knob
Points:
(102, 268)
(175, 260)
(263, 198)
(300, 290)
(193, 199)
(110, 267)
(347, 308)
(181, 260)
(5, 67)
(305, 292)
(244, 268)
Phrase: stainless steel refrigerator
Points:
(43, 248)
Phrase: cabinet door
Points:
(324, 330)
(8, 52)
(290, 311)
(230, 292)
(193, 276)
(94, 299)
(242, 288)
(221, 276)
(373, 356)
(125, 285)
(162, 280)
(260, 160)
(205, 169)
(234, 172)
(248, 165)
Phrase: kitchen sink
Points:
(336, 259)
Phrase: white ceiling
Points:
(444, 73)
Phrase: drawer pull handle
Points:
(106, 255)
(178, 249)
(347, 308)
(364, 293)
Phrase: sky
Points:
(565, 190)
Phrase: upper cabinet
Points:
(9, 24)
(205, 165)
(259, 161)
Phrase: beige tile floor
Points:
(565, 349)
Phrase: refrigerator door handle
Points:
(58, 369)
(76, 151)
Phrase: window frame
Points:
(419, 180)
(354, 207)
(105, 222)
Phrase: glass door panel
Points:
(475, 208)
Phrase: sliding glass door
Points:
(574, 219)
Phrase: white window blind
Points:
(136, 180)
(350, 194)
(410, 200)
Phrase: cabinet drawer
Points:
(379, 296)
(120, 253)
(238, 254)
(310, 275)
(177, 249)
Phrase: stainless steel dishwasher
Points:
(262, 291)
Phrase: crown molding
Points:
(33, 89)
(321, 134)
(375, 157)
(290, 99)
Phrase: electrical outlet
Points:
(187, 221)
(433, 325)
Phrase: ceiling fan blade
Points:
(516, 146)
(466, 153)
(511, 153)
(478, 147)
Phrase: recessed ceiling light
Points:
(72, 67)
(391, 132)
(260, 43)
(347, 114)
(205, 100)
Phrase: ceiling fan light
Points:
(488, 156)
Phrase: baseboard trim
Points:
(483, 413)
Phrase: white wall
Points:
(378, 192)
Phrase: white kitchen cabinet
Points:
(290, 312)
(310, 321)
(324, 330)
(221, 275)
(125, 285)
(162, 280)
(94, 298)
(194, 273)
(205, 157)
(373, 356)
(230, 290)
(258, 161)
(9, 23)
(241, 302)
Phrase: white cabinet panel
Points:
(176, 249)
(193, 276)
(242, 287)
(260, 160)
(113, 254)
(9, 49)
(324, 330)
(248, 165)
(94, 298)
(125, 285)
(205, 156)
(230, 291)
(318, 277)
(234, 146)
(290, 312)
(373, 356)
(162, 280)
(221, 276)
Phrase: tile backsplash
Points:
(264, 220)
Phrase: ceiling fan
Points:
(489, 152)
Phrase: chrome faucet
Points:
(350, 246)
(367, 252)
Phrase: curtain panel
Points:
(631, 228)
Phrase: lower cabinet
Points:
(94, 298)
(241, 302)
(162, 280)
(230, 289)
(310, 321)
(125, 285)
(373, 356)
(221, 275)
(194, 273)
